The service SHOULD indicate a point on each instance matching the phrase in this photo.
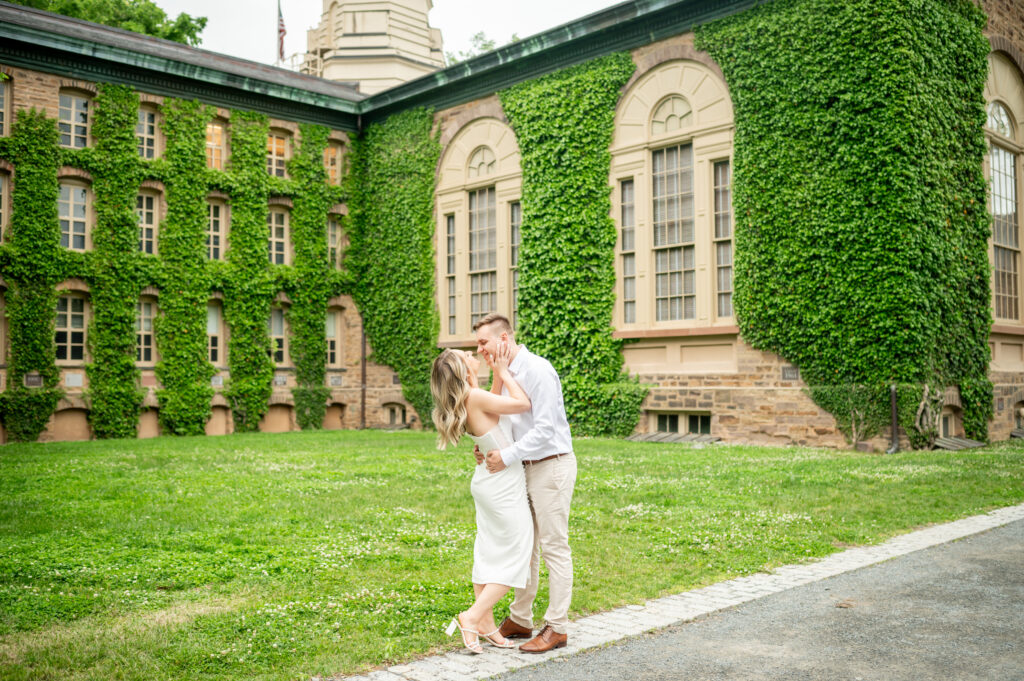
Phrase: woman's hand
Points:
(502, 357)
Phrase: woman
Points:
(504, 538)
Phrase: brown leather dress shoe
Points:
(547, 639)
(510, 629)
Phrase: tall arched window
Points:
(479, 219)
(1005, 94)
(671, 169)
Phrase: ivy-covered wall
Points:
(564, 124)
(391, 254)
(32, 263)
(861, 221)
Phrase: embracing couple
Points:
(522, 485)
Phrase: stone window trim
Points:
(682, 422)
(66, 335)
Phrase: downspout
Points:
(362, 379)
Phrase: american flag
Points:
(280, 32)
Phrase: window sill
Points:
(629, 334)
(1008, 329)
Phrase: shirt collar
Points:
(517, 364)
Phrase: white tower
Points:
(375, 45)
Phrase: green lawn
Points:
(284, 556)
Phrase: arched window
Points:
(1005, 94)
(481, 163)
(672, 114)
(479, 218)
(671, 169)
(999, 120)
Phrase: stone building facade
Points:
(673, 126)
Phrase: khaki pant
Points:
(549, 485)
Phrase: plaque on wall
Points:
(33, 380)
(280, 379)
(790, 373)
(217, 381)
(335, 381)
(73, 379)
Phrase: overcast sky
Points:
(248, 28)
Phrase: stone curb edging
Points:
(631, 620)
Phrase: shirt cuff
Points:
(509, 455)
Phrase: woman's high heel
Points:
(507, 644)
(472, 646)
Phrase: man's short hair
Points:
(499, 320)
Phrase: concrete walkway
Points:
(948, 612)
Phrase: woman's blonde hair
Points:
(450, 387)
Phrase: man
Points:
(544, 445)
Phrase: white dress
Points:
(504, 525)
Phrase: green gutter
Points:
(71, 56)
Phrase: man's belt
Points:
(546, 458)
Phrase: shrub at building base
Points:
(391, 256)
(861, 224)
(564, 124)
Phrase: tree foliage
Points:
(141, 16)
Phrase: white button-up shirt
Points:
(544, 430)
